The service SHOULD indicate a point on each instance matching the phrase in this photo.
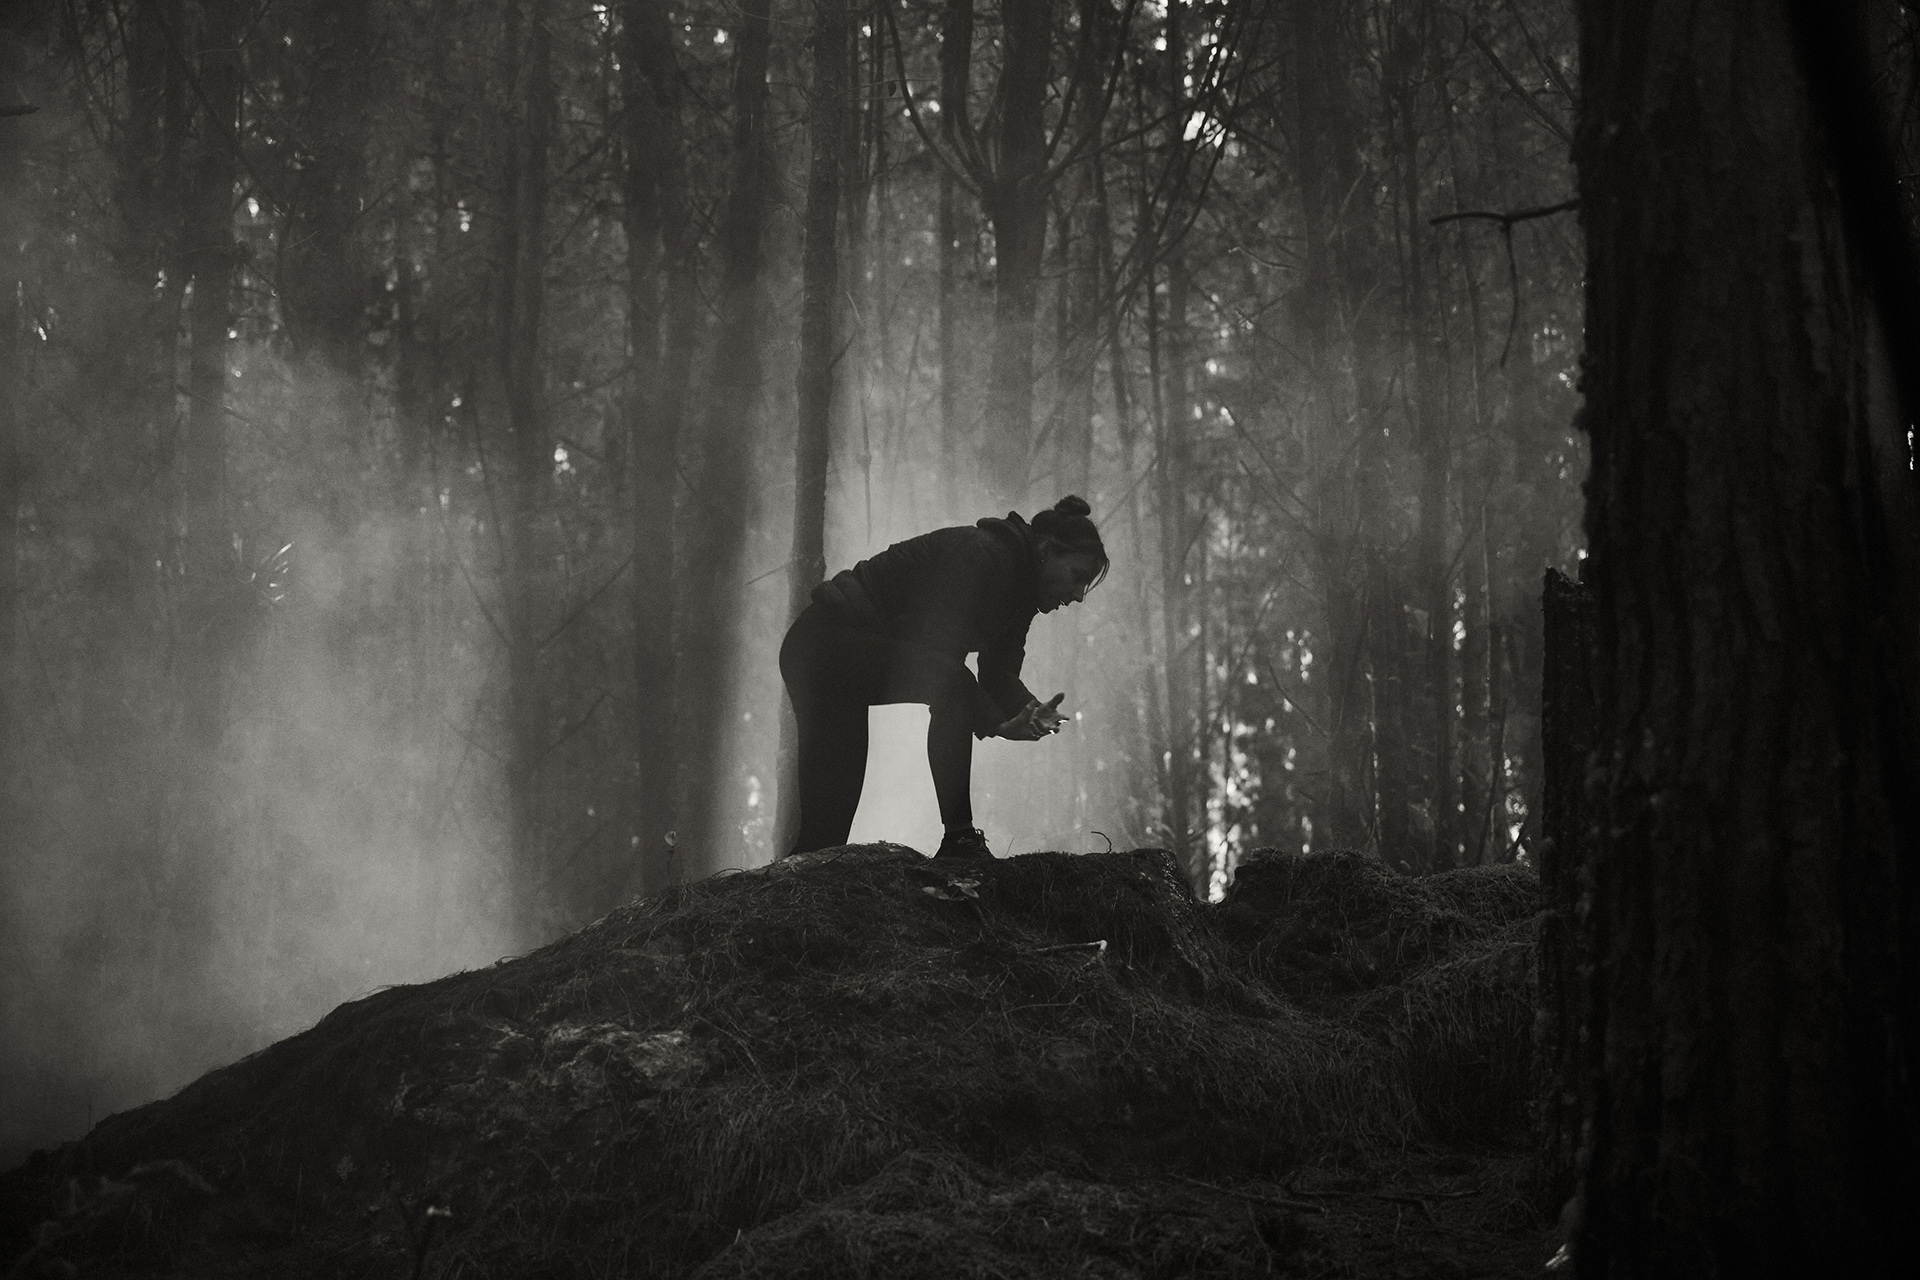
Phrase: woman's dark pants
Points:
(834, 671)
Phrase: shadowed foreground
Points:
(861, 1063)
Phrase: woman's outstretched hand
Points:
(1035, 721)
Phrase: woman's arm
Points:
(1000, 661)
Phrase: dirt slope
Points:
(861, 1063)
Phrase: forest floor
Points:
(863, 1063)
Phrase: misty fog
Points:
(340, 514)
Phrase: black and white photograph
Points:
(959, 639)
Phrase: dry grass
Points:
(861, 1063)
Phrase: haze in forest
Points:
(423, 414)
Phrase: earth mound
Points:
(866, 1063)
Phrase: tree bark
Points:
(1753, 534)
(727, 501)
(1016, 204)
(956, 67)
(830, 104)
(1566, 712)
(324, 270)
(1078, 311)
(1387, 653)
(13, 286)
(657, 320)
(1433, 586)
(1323, 150)
(523, 293)
(206, 252)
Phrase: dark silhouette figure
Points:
(898, 628)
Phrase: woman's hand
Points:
(1035, 721)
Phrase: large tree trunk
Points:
(726, 501)
(1016, 204)
(820, 287)
(1755, 844)
(1566, 713)
(655, 221)
(524, 260)
(13, 285)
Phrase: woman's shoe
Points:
(969, 844)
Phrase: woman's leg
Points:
(832, 767)
(834, 672)
(950, 749)
(830, 711)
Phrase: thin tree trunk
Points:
(1016, 204)
(1080, 328)
(323, 270)
(1145, 700)
(1387, 649)
(830, 103)
(726, 501)
(650, 92)
(1433, 587)
(523, 294)
(1754, 534)
(1322, 127)
(206, 252)
(956, 64)
(851, 370)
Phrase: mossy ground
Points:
(864, 1063)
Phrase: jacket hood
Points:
(1019, 537)
(1014, 529)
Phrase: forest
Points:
(428, 412)
(420, 419)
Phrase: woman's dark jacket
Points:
(968, 589)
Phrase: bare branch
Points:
(1525, 94)
(1508, 219)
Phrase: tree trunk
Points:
(1433, 586)
(324, 269)
(524, 257)
(1016, 204)
(13, 286)
(956, 65)
(830, 104)
(1078, 310)
(726, 501)
(206, 252)
(1566, 712)
(656, 253)
(1322, 129)
(1753, 534)
(1387, 651)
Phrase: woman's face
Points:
(1065, 577)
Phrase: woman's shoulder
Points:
(1005, 537)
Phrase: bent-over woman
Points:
(898, 627)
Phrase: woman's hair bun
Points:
(1067, 526)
